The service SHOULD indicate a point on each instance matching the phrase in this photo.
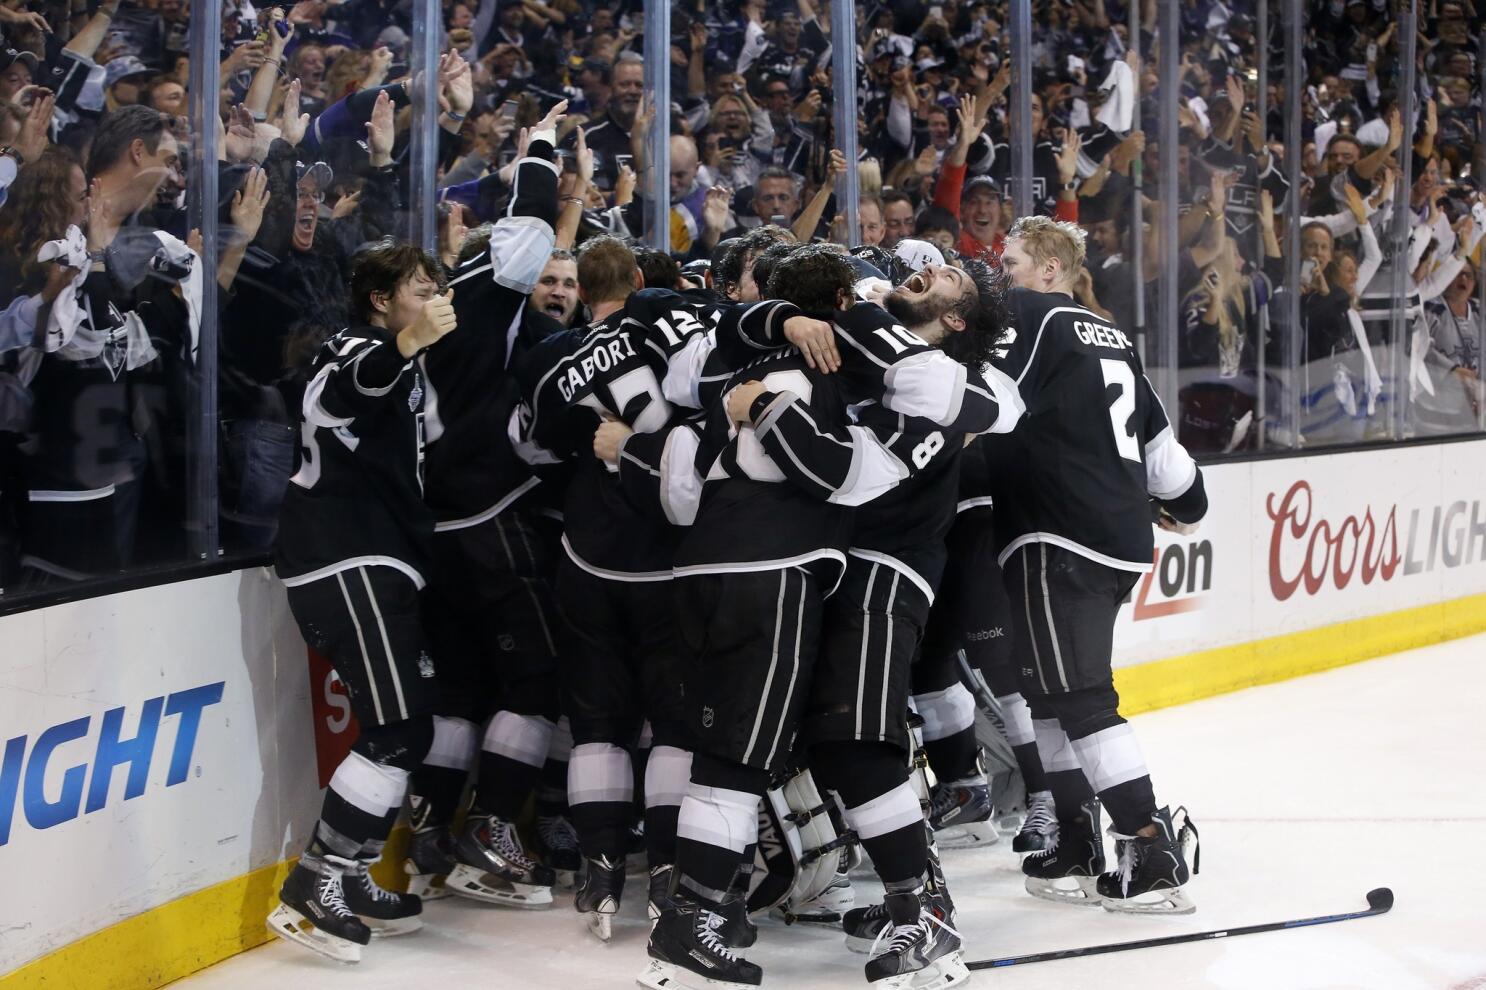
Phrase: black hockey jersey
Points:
(884, 362)
(753, 516)
(473, 470)
(614, 368)
(357, 498)
(1094, 445)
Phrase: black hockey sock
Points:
(360, 806)
(718, 821)
(600, 801)
(953, 757)
(1031, 766)
(371, 849)
(1070, 790)
(1131, 804)
(552, 791)
(438, 782)
(504, 785)
(667, 777)
(1111, 759)
(511, 759)
(881, 806)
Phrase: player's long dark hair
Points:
(986, 316)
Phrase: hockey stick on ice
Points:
(1379, 901)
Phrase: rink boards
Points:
(158, 759)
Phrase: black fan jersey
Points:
(1094, 445)
(473, 470)
(614, 368)
(357, 498)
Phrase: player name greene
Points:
(1099, 335)
(601, 358)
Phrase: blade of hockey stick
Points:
(1379, 901)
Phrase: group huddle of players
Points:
(770, 533)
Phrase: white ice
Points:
(1308, 793)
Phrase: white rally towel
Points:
(1118, 112)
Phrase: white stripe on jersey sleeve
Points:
(1169, 469)
(680, 485)
(684, 370)
(930, 384)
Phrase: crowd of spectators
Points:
(101, 283)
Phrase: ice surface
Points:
(1308, 793)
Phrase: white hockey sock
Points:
(1053, 748)
(719, 817)
(454, 742)
(667, 776)
(523, 738)
(1018, 719)
(945, 712)
(1111, 757)
(600, 773)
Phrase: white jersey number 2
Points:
(1122, 407)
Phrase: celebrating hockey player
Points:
(784, 465)
(489, 605)
(1073, 514)
(355, 548)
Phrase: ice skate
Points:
(919, 949)
(559, 842)
(493, 866)
(429, 860)
(385, 912)
(660, 892)
(864, 925)
(1009, 801)
(1039, 831)
(1069, 871)
(313, 910)
(687, 952)
(1150, 872)
(600, 894)
(960, 813)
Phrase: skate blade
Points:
(948, 971)
(601, 925)
(1174, 901)
(391, 927)
(469, 881)
(659, 975)
(428, 886)
(971, 835)
(1073, 890)
(812, 915)
(290, 925)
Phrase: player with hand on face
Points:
(355, 546)
(1075, 485)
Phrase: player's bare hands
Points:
(436, 320)
(741, 399)
(608, 438)
(816, 340)
(1169, 523)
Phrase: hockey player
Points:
(969, 637)
(753, 575)
(355, 546)
(489, 605)
(614, 578)
(1073, 512)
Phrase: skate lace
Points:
(330, 893)
(708, 922)
(506, 842)
(1129, 861)
(1041, 816)
(556, 832)
(372, 888)
(900, 937)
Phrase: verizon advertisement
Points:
(1303, 542)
